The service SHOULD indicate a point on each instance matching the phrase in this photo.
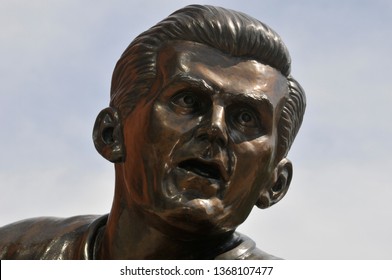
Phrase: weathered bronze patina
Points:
(203, 112)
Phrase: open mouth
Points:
(205, 169)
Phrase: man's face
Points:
(201, 152)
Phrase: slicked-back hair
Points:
(231, 32)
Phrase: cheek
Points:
(255, 155)
(166, 125)
(253, 168)
(252, 173)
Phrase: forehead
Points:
(223, 72)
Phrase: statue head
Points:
(203, 112)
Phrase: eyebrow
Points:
(193, 82)
(254, 99)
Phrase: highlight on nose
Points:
(218, 130)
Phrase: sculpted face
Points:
(200, 154)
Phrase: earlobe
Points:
(108, 136)
(279, 185)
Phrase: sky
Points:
(56, 61)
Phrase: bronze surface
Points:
(198, 128)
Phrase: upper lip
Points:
(213, 169)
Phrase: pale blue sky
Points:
(56, 63)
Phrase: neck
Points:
(128, 236)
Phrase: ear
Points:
(108, 136)
(279, 185)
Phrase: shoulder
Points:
(47, 238)
(246, 250)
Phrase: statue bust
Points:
(203, 111)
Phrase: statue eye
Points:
(245, 122)
(246, 118)
(186, 102)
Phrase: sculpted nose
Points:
(218, 131)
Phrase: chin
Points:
(194, 219)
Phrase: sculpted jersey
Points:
(50, 238)
(74, 238)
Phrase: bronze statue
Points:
(202, 114)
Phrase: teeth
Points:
(208, 170)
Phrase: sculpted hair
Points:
(231, 32)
